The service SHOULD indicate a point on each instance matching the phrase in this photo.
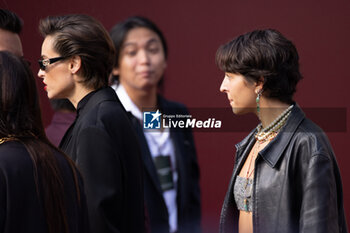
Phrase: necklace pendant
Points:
(245, 204)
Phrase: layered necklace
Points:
(274, 127)
(264, 135)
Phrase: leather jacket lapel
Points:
(272, 153)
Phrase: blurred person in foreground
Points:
(77, 57)
(285, 178)
(40, 187)
(171, 177)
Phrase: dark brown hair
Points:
(263, 54)
(9, 21)
(83, 36)
(20, 118)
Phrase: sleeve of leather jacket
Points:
(101, 169)
(319, 202)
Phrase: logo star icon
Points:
(155, 115)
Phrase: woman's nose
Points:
(223, 86)
(41, 73)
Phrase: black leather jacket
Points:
(297, 185)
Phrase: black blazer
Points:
(188, 192)
(21, 210)
(104, 145)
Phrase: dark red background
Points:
(194, 30)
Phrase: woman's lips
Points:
(45, 87)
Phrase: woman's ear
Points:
(75, 64)
(259, 85)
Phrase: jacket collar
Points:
(94, 98)
(273, 151)
(82, 103)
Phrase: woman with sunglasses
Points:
(77, 58)
(40, 187)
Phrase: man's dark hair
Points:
(9, 21)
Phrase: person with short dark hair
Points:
(41, 189)
(172, 197)
(77, 57)
(10, 28)
(285, 178)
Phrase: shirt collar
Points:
(135, 111)
(127, 102)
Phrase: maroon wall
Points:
(194, 30)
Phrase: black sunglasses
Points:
(47, 61)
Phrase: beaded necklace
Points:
(275, 126)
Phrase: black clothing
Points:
(297, 185)
(21, 210)
(104, 146)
